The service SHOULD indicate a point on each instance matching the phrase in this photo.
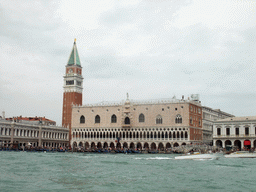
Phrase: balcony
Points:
(126, 126)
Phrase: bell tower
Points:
(73, 87)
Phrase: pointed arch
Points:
(113, 118)
(159, 119)
(127, 120)
(186, 134)
(82, 119)
(141, 118)
(97, 119)
(178, 119)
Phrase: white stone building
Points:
(237, 131)
(32, 133)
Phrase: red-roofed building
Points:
(33, 120)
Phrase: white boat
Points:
(241, 154)
(198, 156)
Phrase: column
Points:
(40, 136)
(12, 133)
(251, 131)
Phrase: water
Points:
(26, 171)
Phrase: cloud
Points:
(151, 49)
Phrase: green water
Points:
(26, 171)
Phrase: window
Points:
(97, 119)
(159, 119)
(79, 83)
(218, 131)
(199, 120)
(191, 120)
(82, 119)
(237, 131)
(141, 118)
(127, 121)
(113, 119)
(246, 130)
(70, 82)
(227, 131)
(178, 119)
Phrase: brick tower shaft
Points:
(73, 88)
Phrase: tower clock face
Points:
(70, 71)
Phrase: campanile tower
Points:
(73, 87)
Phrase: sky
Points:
(151, 49)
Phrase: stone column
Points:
(242, 144)
(40, 136)
(12, 133)
(251, 131)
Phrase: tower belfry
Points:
(73, 87)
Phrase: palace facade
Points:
(130, 124)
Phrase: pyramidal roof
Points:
(74, 57)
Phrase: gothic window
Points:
(178, 119)
(159, 119)
(127, 120)
(141, 118)
(82, 119)
(113, 119)
(97, 119)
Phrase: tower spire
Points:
(74, 57)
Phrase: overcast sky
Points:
(151, 49)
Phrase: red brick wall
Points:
(69, 98)
(76, 69)
(195, 113)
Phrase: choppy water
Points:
(26, 171)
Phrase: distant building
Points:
(237, 131)
(32, 120)
(33, 133)
(209, 116)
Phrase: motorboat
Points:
(241, 154)
(197, 156)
